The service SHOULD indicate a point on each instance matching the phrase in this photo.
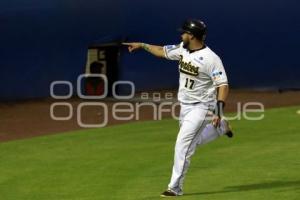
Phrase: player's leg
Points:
(211, 133)
(186, 143)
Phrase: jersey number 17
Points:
(189, 83)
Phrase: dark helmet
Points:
(195, 27)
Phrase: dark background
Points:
(43, 41)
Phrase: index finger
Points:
(126, 43)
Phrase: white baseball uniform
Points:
(201, 71)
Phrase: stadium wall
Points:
(43, 41)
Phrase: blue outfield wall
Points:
(43, 41)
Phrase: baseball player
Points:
(203, 89)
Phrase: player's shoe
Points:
(229, 134)
(169, 193)
(227, 128)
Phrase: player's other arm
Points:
(219, 78)
(222, 93)
(153, 49)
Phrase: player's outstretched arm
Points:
(153, 49)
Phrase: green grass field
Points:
(133, 162)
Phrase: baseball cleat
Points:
(228, 129)
(229, 134)
(168, 193)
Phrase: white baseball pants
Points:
(195, 129)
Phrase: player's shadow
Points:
(295, 185)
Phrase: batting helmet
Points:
(195, 27)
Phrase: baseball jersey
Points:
(201, 71)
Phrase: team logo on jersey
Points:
(199, 60)
(217, 75)
(172, 47)
(188, 68)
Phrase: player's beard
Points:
(185, 44)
